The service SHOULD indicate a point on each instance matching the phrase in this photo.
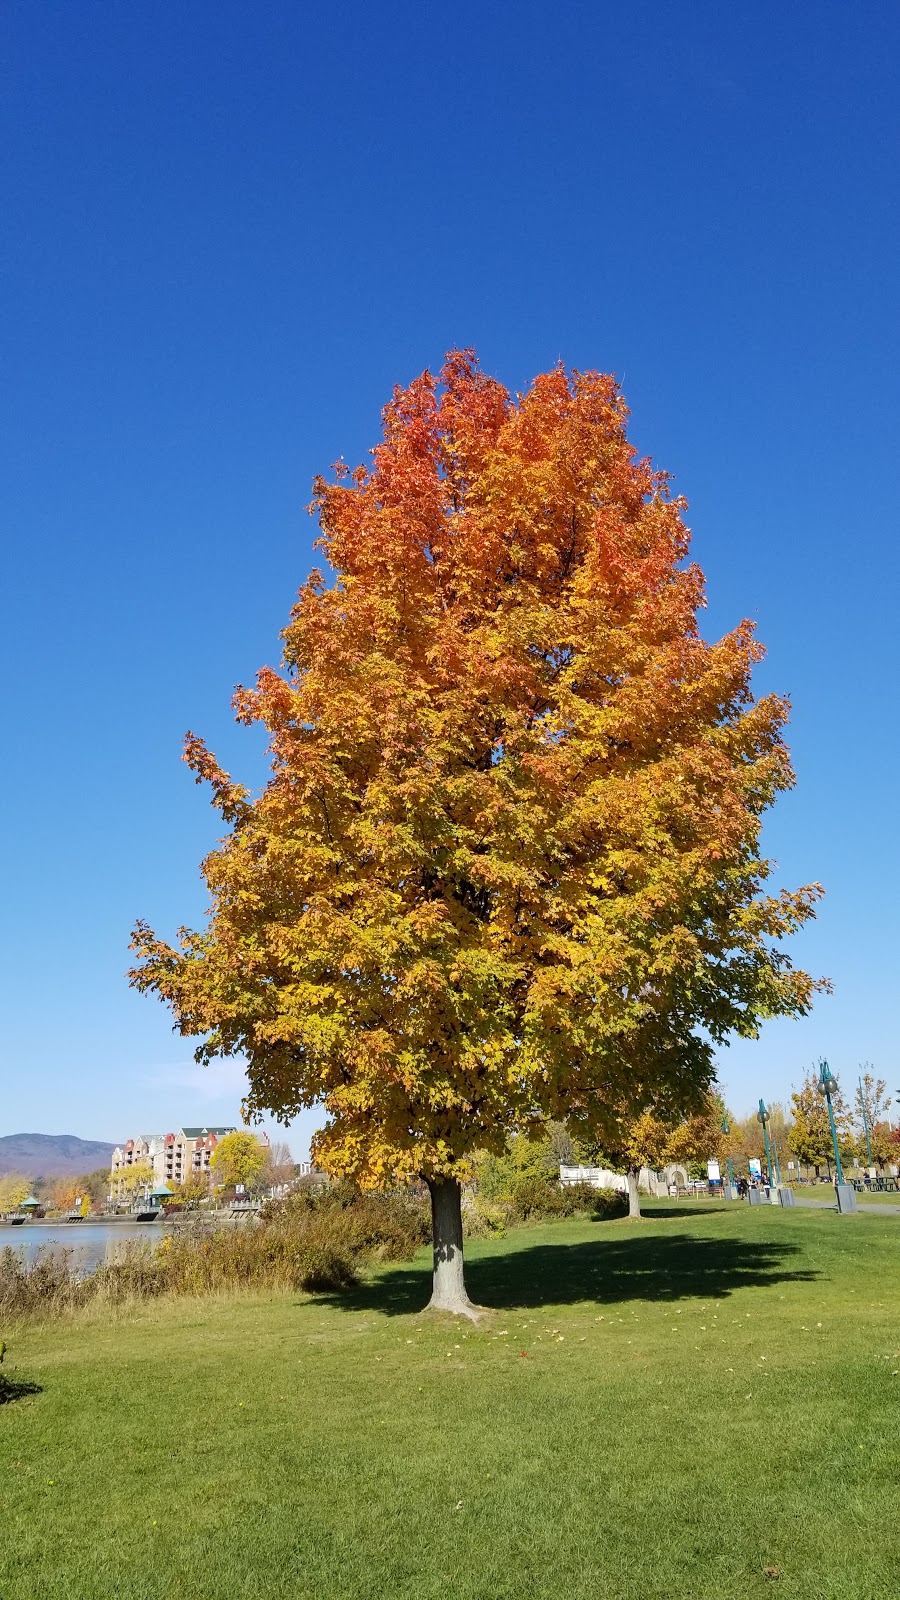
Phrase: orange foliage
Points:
(507, 863)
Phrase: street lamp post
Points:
(762, 1116)
(846, 1199)
(726, 1129)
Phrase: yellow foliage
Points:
(14, 1188)
(507, 864)
(238, 1158)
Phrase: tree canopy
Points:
(810, 1134)
(14, 1188)
(507, 864)
(239, 1158)
(871, 1104)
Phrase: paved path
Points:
(831, 1205)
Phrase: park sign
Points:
(755, 1167)
(712, 1171)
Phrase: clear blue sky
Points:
(228, 230)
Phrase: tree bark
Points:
(634, 1199)
(448, 1290)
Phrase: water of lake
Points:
(91, 1243)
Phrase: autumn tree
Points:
(14, 1188)
(881, 1140)
(508, 860)
(94, 1186)
(643, 1145)
(747, 1141)
(810, 1135)
(62, 1193)
(193, 1191)
(87, 1191)
(130, 1180)
(239, 1158)
(699, 1138)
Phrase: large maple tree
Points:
(507, 864)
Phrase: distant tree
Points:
(732, 1144)
(810, 1135)
(870, 1104)
(193, 1191)
(14, 1188)
(87, 1191)
(560, 1143)
(698, 1139)
(95, 1185)
(129, 1181)
(644, 1145)
(629, 1142)
(747, 1142)
(238, 1158)
(280, 1166)
(884, 1150)
(61, 1193)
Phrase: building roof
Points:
(199, 1133)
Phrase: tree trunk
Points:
(634, 1199)
(449, 1290)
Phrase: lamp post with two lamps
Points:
(846, 1199)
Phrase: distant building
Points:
(174, 1157)
(602, 1178)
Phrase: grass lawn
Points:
(864, 1197)
(662, 1409)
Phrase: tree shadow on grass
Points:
(676, 1209)
(605, 1271)
(16, 1389)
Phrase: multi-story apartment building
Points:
(174, 1157)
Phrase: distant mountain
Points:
(52, 1155)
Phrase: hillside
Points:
(46, 1155)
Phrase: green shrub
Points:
(481, 1220)
(532, 1196)
(605, 1203)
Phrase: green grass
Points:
(864, 1197)
(657, 1411)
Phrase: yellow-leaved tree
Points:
(239, 1158)
(507, 862)
(130, 1181)
(14, 1188)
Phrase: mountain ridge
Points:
(53, 1155)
